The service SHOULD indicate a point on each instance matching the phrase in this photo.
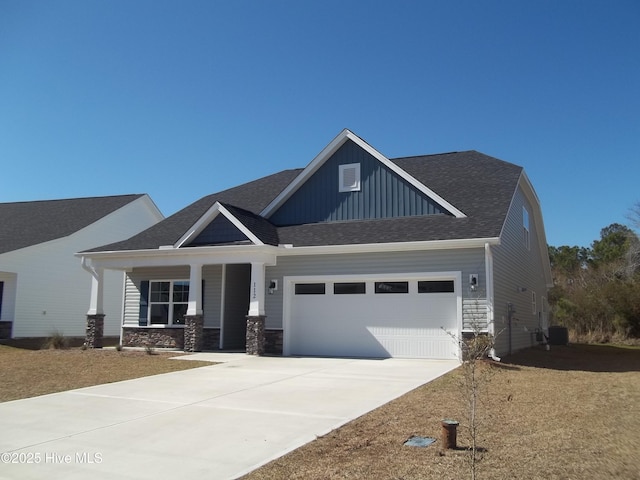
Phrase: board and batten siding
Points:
(517, 267)
(211, 274)
(382, 194)
(467, 261)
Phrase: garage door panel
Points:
(374, 325)
(416, 342)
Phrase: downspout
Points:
(89, 268)
(124, 304)
(488, 265)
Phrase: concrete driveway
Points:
(214, 422)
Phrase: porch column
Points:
(194, 318)
(95, 315)
(256, 316)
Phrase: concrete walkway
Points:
(215, 422)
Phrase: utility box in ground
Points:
(558, 335)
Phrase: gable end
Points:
(353, 185)
(219, 232)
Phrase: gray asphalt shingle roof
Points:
(480, 186)
(23, 224)
(253, 197)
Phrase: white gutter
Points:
(386, 247)
(286, 250)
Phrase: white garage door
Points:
(380, 317)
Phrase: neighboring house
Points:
(43, 286)
(354, 255)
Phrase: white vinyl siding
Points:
(474, 314)
(518, 274)
(212, 276)
(526, 232)
(51, 289)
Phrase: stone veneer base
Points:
(255, 335)
(174, 338)
(193, 333)
(167, 337)
(95, 331)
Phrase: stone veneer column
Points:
(95, 331)
(193, 333)
(255, 335)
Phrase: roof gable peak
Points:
(326, 153)
(205, 220)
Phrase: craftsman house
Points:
(354, 255)
(43, 286)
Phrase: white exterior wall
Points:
(517, 268)
(50, 287)
(467, 261)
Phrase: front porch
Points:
(196, 307)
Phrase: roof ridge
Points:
(73, 199)
(433, 154)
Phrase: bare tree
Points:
(632, 257)
(476, 348)
(634, 215)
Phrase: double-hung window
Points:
(168, 302)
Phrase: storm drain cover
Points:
(416, 441)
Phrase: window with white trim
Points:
(525, 228)
(349, 177)
(168, 302)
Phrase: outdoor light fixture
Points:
(273, 286)
(473, 281)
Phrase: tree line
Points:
(596, 292)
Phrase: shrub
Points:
(56, 341)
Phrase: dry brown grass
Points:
(28, 373)
(571, 413)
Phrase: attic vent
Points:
(349, 177)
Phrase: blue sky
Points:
(179, 99)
